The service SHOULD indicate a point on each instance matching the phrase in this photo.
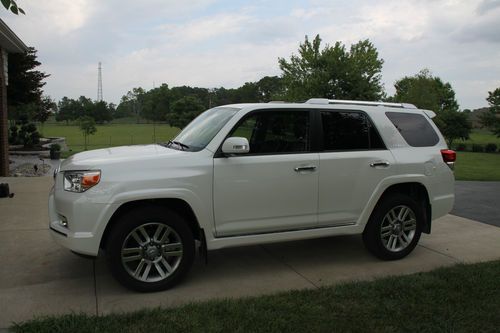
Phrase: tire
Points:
(159, 249)
(394, 228)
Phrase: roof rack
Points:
(349, 102)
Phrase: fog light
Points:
(63, 221)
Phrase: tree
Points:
(87, 126)
(25, 82)
(333, 72)
(269, 88)
(12, 5)
(426, 92)
(131, 104)
(156, 104)
(65, 110)
(454, 125)
(429, 92)
(71, 109)
(184, 110)
(100, 111)
(491, 118)
(44, 110)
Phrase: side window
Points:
(349, 131)
(414, 128)
(271, 132)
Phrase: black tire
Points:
(154, 218)
(382, 246)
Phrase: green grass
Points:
(469, 166)
(477, 166)
(482, 136)
(463, 298)
(110, 135)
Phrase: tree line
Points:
(323, 71)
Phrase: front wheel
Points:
(394, 227)
(150, 249)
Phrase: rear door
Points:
(275, 186)
(353, 161)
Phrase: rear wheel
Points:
(150, 249)
(394, 227)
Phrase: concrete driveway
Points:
(38, 277)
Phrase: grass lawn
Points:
(469, 166)
(477, 166)
(482, 136)
(111, 135)
(463, 298)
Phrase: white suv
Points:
(256, 173)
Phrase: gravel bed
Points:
(31, 170)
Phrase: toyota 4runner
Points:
(256, 173)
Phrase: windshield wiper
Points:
(180, 144)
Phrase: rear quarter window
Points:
(414, 128)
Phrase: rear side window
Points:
(414, 128)
(349, 131)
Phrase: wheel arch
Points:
(419, 193)
(179, 206)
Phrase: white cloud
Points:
(224, 43)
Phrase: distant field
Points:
(482, 136)
(477, 166)
(469, 166)
(111, 135)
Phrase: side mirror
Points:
(236, 145)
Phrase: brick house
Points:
(9, 43)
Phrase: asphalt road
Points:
(478, 201)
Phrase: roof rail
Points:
(349, 102)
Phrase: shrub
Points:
(477, 148)
(25, 134)
(490, 148)
(29, 135)
(461, 147)
(13, 135)
(55, 147)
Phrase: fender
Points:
(382, 187)
(202, 211)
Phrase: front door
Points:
(275, 186)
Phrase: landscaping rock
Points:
(30, 170)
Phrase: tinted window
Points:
(414, 128)
(275, 131)
(349, 131)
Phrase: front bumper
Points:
(79, 241)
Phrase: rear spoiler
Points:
(429, 113)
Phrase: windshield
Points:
(203, 128)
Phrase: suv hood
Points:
(98, 157)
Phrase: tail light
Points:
(449, 157)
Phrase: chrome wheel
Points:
(151, 252)
(398, 228)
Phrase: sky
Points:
(210, 43)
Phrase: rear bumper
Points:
(442, 205)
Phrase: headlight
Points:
(80, 181)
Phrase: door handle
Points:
(379, 164)
(305, 168)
